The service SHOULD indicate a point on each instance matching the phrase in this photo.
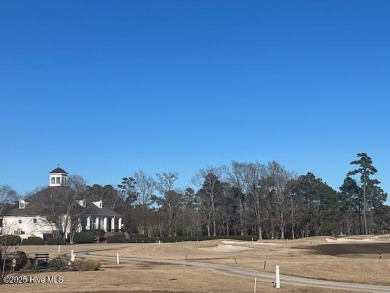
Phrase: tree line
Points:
(245, 198)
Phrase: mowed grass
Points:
(311, 258)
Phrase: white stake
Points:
(254, 291)
(159, 242)
(59, 248)
(277, 278)
(117, 257)
(72, 255)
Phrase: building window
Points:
(20, 221)
(53, 180)
(58, 180)
(35, 221)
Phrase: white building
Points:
(57, 210)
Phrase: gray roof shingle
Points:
(51, 199)
(58, 170)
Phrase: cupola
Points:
(58, 177)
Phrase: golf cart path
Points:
(250, 273)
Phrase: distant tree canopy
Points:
(245, 198)
(263, 200)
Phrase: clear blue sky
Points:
(106, 88)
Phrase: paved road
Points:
(250, 273)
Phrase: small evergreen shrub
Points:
(98, 232)
(10, 240)
(33, 241)
(56, 241)
(84, 237)
(25, 241)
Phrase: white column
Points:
(120, 224)
(105, 224)
(88, 227)
(80, 228)
(97, 223)
(113, 224)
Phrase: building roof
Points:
(58, 170)
(55, 200)
(93, 210)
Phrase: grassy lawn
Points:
(312, 258)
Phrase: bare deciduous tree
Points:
(236, 177)
(280, 190)
(145, 186)
(211, 192)
(7, 196)
(168, 201)
(62, 209)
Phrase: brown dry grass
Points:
(304, 258)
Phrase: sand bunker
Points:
(346, 240)
(226, 248)
(234, 246)
(246, 243)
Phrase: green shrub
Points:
(33, 241)
(25, 241)
(10, 240)
(56, 241)
(98, 232)
(84, 237)
(89, 264)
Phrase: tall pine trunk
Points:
(364, 210)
